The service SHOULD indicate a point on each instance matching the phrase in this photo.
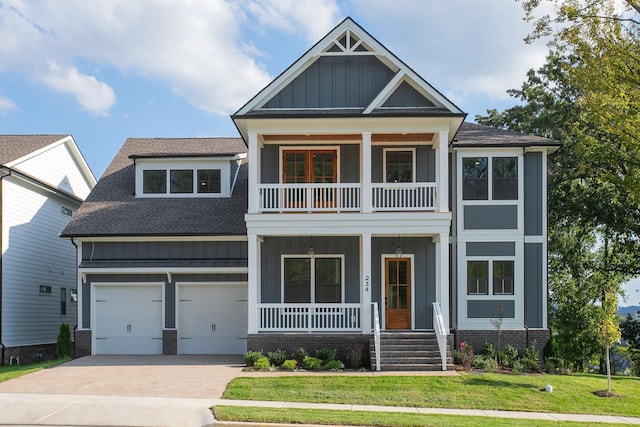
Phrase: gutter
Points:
(2, 176)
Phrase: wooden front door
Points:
(397, 293)
(309, 167)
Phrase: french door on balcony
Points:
(309, 167)
(397, 293)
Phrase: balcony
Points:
(347, 197)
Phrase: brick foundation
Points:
(26, 354)
(169, 342)
(520, 339)
(82, 343)
(310, 342)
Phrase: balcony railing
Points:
(346, 197)
(309, 317)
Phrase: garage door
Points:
(128, 319)
(212, 319)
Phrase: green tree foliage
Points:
(64, 346)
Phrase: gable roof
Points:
(475, 135)
(348, 73)
(14, 147)
(113, 210)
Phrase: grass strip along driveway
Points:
(9, 372)
(487, 391)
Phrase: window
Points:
(503, 277)
(474, 178)
(63, 301)
(477, 277)
(154, 181)
(66, 211)
(208, 180)
(312, 280)
(399, 166)
(505, 178)
(182, 181)
(479, 272)
(45, 289)
(309, 166)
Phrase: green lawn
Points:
(9, 372)
(572, 393)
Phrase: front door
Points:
(309, 167)
(397, 293)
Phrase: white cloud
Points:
(93, 95)
(6, 104)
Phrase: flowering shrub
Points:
(463, 355)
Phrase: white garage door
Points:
(128, 319)
(212, 319)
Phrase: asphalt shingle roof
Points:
(474, 135)
(13, 147)
(113, 210)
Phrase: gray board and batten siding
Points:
(163, 251)
(534, 297)
(533, 194)
(491, 217)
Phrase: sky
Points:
(107, 70)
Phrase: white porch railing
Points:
(309, 317)
(404, 196)
(441, 333)
(346, 197)
(309, 197)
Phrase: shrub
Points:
(277, 357)
(64, 346)
(299, 354)
(334, 365)
(311, 362)
(487, 349)
(354, 355)
(553, 365)
(326, 354)
(463, 355)
(531, 359)
(485, 363)
(262, 364)
(551, 348)
(251, 356)
(508, 356)
(289, 365)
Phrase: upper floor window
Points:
(504, 178)
(399, 165)
(208, 180)
(181, 181)
(154, 181)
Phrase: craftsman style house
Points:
(356, 208)
(43, 181)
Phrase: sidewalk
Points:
(612, 419)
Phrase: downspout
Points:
(8, 172)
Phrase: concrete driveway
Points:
(119, 391)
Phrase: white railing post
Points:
(376, 333)
(441, 334)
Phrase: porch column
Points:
(365, 294)
(253, 287)
(254, 171)
(365, 175)
(442, 171)
(442, 276)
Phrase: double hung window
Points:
(313, 280)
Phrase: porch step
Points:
(409, 351)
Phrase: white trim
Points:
(203, 238)
(164, 270)
(383, 293)
(395, 150)
(312, 278)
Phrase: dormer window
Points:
(208, 180)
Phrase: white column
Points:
(442, 276)
(254, 172)
(365, 294)
(254, 283)
(365, 174)
(442, 171)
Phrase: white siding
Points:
(58, 168)
(34, 255)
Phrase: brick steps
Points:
(409, 351)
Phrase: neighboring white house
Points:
(356, 199)
(43, 181)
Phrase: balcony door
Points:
(309, 167)
(397, 293)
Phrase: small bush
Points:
(334, 365)
(251, 356)
(488, 349)
(262, 364)
(531, 359)
(485, 363)
(553, 365)
(354, 356)
(463, 355)
(326, 354)
(289, 365)
(64, 346)
(299, 354)
(277, 357)
(551, 348)
(508, 356)
(311, 363)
